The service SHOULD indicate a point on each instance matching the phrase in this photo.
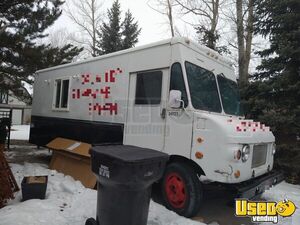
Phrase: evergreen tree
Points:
(209, 39)
(130, 31)
(275, 97)
(22, 24)
(115, 35)
(280, 65)
(110, 32)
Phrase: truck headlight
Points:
(245, 153)
(273, 148)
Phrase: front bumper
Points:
(256, 186)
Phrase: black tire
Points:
(184, 200)
(90, 221)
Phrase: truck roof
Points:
(171, 41)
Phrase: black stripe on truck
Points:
(45, 129)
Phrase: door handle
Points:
(163, 113)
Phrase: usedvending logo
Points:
(264, 211)
(104, 171)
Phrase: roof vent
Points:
(187, 41)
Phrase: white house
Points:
(21, 111)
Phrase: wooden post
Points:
(2, 147)
(8, 184)
(9, 129)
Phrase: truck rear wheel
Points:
(182, 189)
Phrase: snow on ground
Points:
(67, 203)
(19, 132)
(286, 191)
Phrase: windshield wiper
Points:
(221, 74)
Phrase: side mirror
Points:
(175, 99)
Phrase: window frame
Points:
(136, 84)
(4, 97)
(54, 108)
(221, 96)
(218, 91)
(184, 82)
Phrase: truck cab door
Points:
(146, 112)
(179, 121)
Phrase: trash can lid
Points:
(128, 153)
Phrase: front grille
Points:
(259, 155)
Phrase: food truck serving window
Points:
(61, 93)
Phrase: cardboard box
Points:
(72, 158)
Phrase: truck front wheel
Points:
(181, 189)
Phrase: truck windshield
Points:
(203, 88)
(229, 95)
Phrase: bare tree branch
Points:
(165, 7)
(232, 45)
(208, 14)
(192, 9)
(87, 15)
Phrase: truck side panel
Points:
(97, 96)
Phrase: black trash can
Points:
(125, 175)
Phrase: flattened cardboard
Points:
(72, 158)
(36, 180)
(72, 146)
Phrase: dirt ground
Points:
(217, 207)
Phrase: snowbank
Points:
(286, 191)
(67, 203)
(20, 132)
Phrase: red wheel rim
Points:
(175, 190)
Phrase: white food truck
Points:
(172, 96)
